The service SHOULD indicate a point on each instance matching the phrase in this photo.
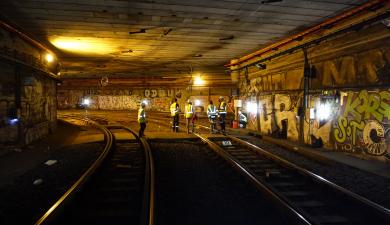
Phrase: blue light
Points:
(13, 121)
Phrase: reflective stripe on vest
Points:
(211, 110)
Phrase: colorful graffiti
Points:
(363, 123)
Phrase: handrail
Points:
(289, 209)
(69, 194)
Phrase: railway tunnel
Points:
(256, 112)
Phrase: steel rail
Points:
(58, 206)
(283, 205)
(148, 213)
(375, 208)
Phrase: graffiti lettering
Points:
(361, 124)
(365, 106)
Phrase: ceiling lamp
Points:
(49, 58)
(198, 81)
(83, 45)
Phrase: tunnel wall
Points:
(129, 98)
(27, 93)
(351, 81)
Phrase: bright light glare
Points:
(323, 111)
(251, 107)
(198, 81)
(197, 102)
(145, 102)
(13, 121)
(49, 58)
(83, 45)
(86, 101)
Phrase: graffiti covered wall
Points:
(27, 92)
(36, 116)
(351, 81)
(362, 124)
(129, 99)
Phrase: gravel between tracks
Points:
(22, 202)
(195, 186)
(371, 186)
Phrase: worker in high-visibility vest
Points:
(222, 113)
(189, 114)
(242, 119)
(212, 115)
(142, 119)
(175, 115)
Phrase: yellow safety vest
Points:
(189, 111)
(174, 109)
(141, 115)
(211, 110)
(222, 108)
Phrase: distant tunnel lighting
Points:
(145, 102)
(197, 102)
(49, 58)
(199, 81)
(86, 101)
(13, 121)
(251, 107)
(323, 111)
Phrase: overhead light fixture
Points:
(49, 58)
(198, 80)
(261, 66)
(143, 30)
(83, 45)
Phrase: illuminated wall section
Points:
(349, 96)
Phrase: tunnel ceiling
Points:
(161, 38)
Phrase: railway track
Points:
(304, 196)
(118, 188)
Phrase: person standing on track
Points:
(189, 114)
(175, 115)
(142, 119)
(222, 113)
(212, 115)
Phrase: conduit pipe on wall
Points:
(25, 37)
(327, 23)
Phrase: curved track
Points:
(118, 188)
